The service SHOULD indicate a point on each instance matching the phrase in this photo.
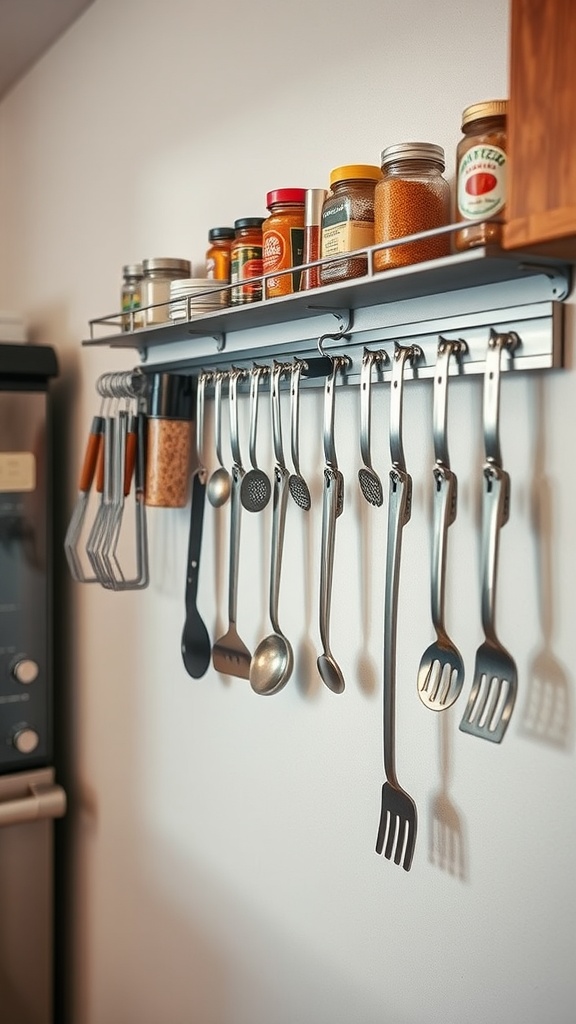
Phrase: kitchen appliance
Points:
(29, 797)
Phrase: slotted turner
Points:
(495, 682)
(398, 816)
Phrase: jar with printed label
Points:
(412, 197)
(218, 253)
(246, 260)
(283, 239)
(131, 296)
(348, 220)
(481, 172)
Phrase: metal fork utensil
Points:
(330, 671)
(495, 681)
(370, 483)
(229, 653)
(398, 814)
(441, 672)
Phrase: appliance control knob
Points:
(25, 670)
(26, 739)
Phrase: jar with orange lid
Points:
(348, 220)
(246, 260)
(218, 253)
(481, 171)
(283, 239)
(413, 196)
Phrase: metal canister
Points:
(158, 273)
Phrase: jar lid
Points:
(166, 263)
(132, 270)
(215, 233)
(489, 108)
(413, 151)
(367, 171)
(249, 222)
(285, 195)
(171, 396)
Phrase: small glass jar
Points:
(218, 254)
(169, 440)
(246, 260)
(158, 273)
(348, 220)
(283, 239)
(412, 197)
(313, 203)
(481, 172)
(131, 296)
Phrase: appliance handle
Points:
(43, 801)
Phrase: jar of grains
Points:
(131, 296)
(348, 220)
(412, 197)
(246, 259)
(158, 273)
(169, 438)
(283, 239)
(218, 253)
(481, 170)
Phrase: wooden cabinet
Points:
(541, 209)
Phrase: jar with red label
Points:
(246, 260)
(481, 171)
(283, 239)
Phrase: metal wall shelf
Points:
(462, 296)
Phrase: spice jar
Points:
(131, 296)
(283, 239)
(348, 220)
(246, 259)
(218, 253)
(313, 203)
(412, 197)
(158, 273)
(481, 170)
(169, 437)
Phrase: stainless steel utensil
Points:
(441, 672)
(195, 645)
(398, 815)
(298, 487)
(219, 484)
(495, 682)
(332, 505)
(91, 456)
(229, 653)
(273, 659)
(370, 483)
(256, 487)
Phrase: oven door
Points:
(29, 802)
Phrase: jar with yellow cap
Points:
(481, 172)
(348, 220)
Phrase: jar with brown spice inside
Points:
(481, 170)
(169, 438)
(412, 197)
(218, 253)
(348, 220)
(246, 260)
(283, 239)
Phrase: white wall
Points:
(224, 844)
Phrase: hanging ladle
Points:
(219, 484)
(273, 660)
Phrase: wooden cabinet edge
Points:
(551, 233)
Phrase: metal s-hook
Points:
(336, 335)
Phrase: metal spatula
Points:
(495, 682)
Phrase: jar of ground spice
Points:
(283, 239)
(412, 197)
(348, 220)
(246, 260)
(218, 253)
(169, 437)
(481, 170)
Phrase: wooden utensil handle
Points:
(91, 454)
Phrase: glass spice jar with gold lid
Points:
(348, 220)
(481, 174)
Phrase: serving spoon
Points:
(220, 483)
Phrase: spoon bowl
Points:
(218, 487)
(272, 664)
(330, 673)
(196, 647)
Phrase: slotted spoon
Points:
(370, 483)
(495, 681)
(441, 672)
(298, 487)
(256, 487)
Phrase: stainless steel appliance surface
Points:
(30, 798)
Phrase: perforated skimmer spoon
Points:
(441, 672)
(256, 487)
(370, 483)
(219, 484)
(298, 487)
